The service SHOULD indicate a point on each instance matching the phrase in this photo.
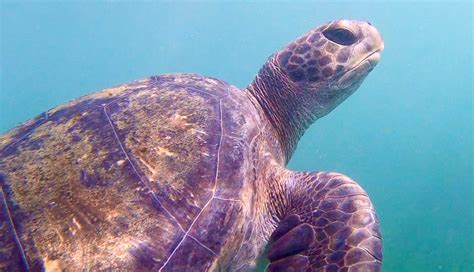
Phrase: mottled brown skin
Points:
(187, 173)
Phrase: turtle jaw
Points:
(364, 57)
(355, 75)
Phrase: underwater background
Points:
(405, 135)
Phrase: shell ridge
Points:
(252, 146)
(254, 178)
(15, 233)
(26, 135)
(119, 97)
(201, 244)
(240, 247)
(213, 191)
(189, 87)
(135, 169)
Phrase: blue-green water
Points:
(405, 136)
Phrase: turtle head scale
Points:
(336, 56)
(313, 74)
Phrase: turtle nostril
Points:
(368, 22)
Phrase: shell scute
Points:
(172, 137)
(231, 175)
(132, 170)
(77, 193)
(190, 256)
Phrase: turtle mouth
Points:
(373, 59)
(359, 71)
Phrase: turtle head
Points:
(330, 62)
(310, 76)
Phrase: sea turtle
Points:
(182, 172)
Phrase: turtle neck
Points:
(288, 107)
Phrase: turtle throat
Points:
(288, 108)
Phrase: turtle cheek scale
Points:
(311, 58)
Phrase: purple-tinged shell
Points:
(147, 175)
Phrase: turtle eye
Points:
(340, 36)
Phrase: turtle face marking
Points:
(330, 53)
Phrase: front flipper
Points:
(331, 226)
(290, 238)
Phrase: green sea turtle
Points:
(183, 172)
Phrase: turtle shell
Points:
(155, 174)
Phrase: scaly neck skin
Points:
(288, 108)
(272, 199)
(289, 111)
